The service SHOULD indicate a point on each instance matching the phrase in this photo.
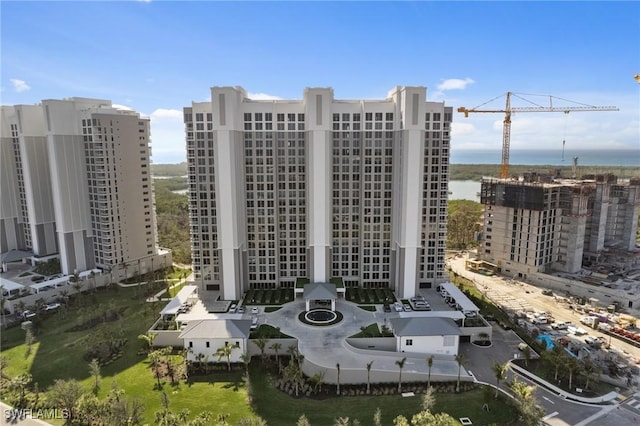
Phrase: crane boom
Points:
(508, 110)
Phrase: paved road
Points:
(560, 412)
(325, 347)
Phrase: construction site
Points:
(573, 235)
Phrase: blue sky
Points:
(157, 57)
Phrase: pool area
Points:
(320, 316)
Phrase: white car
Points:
(51, 306)
(559, 325)
(255, 310)
(232, 309)
(398, 307)
(28, 314)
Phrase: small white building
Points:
(426, 335)
(208, 335)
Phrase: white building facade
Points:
(316, 189)
(77, 181)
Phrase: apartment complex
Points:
(76, 183)
(317, 188)
(539, 224)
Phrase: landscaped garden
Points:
(364, 296)
(276, 296)
(106, 324)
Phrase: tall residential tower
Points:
(76, 183)
(316, 189)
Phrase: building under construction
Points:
(538, 223)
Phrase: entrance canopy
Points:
(320, 291)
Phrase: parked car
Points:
(398, 307)
(407, 307)
(51, 306)
(233, 308)
(386, 307)
(255, 310)
(595, 342)
(240, 310)
(28, 314)
(560, 325)
(254, 323)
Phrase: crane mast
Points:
(508, 110)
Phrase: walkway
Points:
(324, 347)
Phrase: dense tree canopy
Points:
(465, 219)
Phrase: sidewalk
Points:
(610, 398)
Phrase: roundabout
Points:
(320, 317)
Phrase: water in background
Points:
(464, 190)
(550, 157)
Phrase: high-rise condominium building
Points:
(539, 224)
(316, 189)
(76, 183)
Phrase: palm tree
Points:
(589, 369)
(573, 365)
(246, 359)
(155, 357)
(369, 364)
(276, 348)
(459, 359)
(555, 356)
(500, 372)
(429, 364)
(261, 343)
(531, 413)
(225, 351)
(338, 378)
(400, 364)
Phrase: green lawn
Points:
(269, 404)
(58, 354)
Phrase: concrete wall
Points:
(199, 346)
(373, 343)
(253, 349)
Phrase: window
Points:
(190, 344)
(207, 344)
(409, 342)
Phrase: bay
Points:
(554, 157)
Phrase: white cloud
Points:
(462, 129)
(162, 113)
(455, 84)
(19, 85)
(263, 97)
(167, 136)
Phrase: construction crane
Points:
(508, 110)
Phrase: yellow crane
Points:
(508, 110)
